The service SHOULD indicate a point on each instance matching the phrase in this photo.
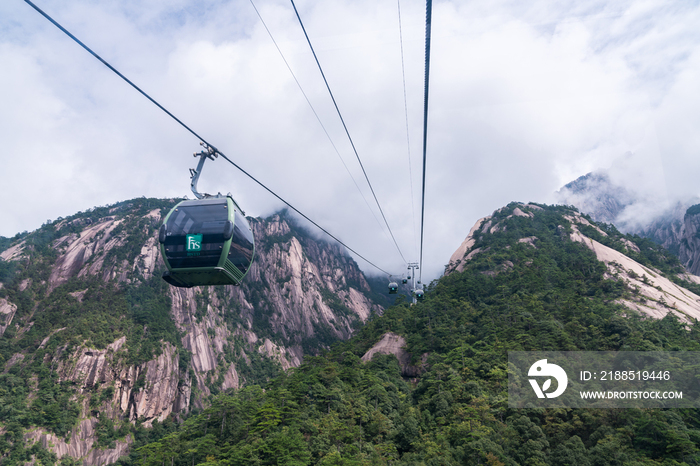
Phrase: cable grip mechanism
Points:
(209, 152)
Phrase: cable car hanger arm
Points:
(210, 152)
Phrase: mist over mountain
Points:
(672, 225)
(597, 196)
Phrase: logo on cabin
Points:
(544, 369)
(194, 243)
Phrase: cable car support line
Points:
(314, 111)
(428, 21)
(214, 149)
(65, 31)
(346, 129)
(408, 141)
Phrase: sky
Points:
(524, 98)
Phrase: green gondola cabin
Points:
(206, 242)
(393, 288)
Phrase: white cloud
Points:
(524, 98)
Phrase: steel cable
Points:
(346, 130)
(104, 62)
(314, 112)
(428, 21)
(408, 141)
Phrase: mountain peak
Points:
(487, 225)
(596, 195)
(650, 280)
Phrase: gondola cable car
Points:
(393, 288)
(419, 293)
(207, 240)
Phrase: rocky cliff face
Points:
(689, 243)
(82, 307)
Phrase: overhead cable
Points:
(428, 21)
(300, 213)
(64, 30)
(314, 112)
(346, 129)
(408, 141)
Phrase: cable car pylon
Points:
(412, 267)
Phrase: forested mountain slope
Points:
(537, 282)
(95, 346)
